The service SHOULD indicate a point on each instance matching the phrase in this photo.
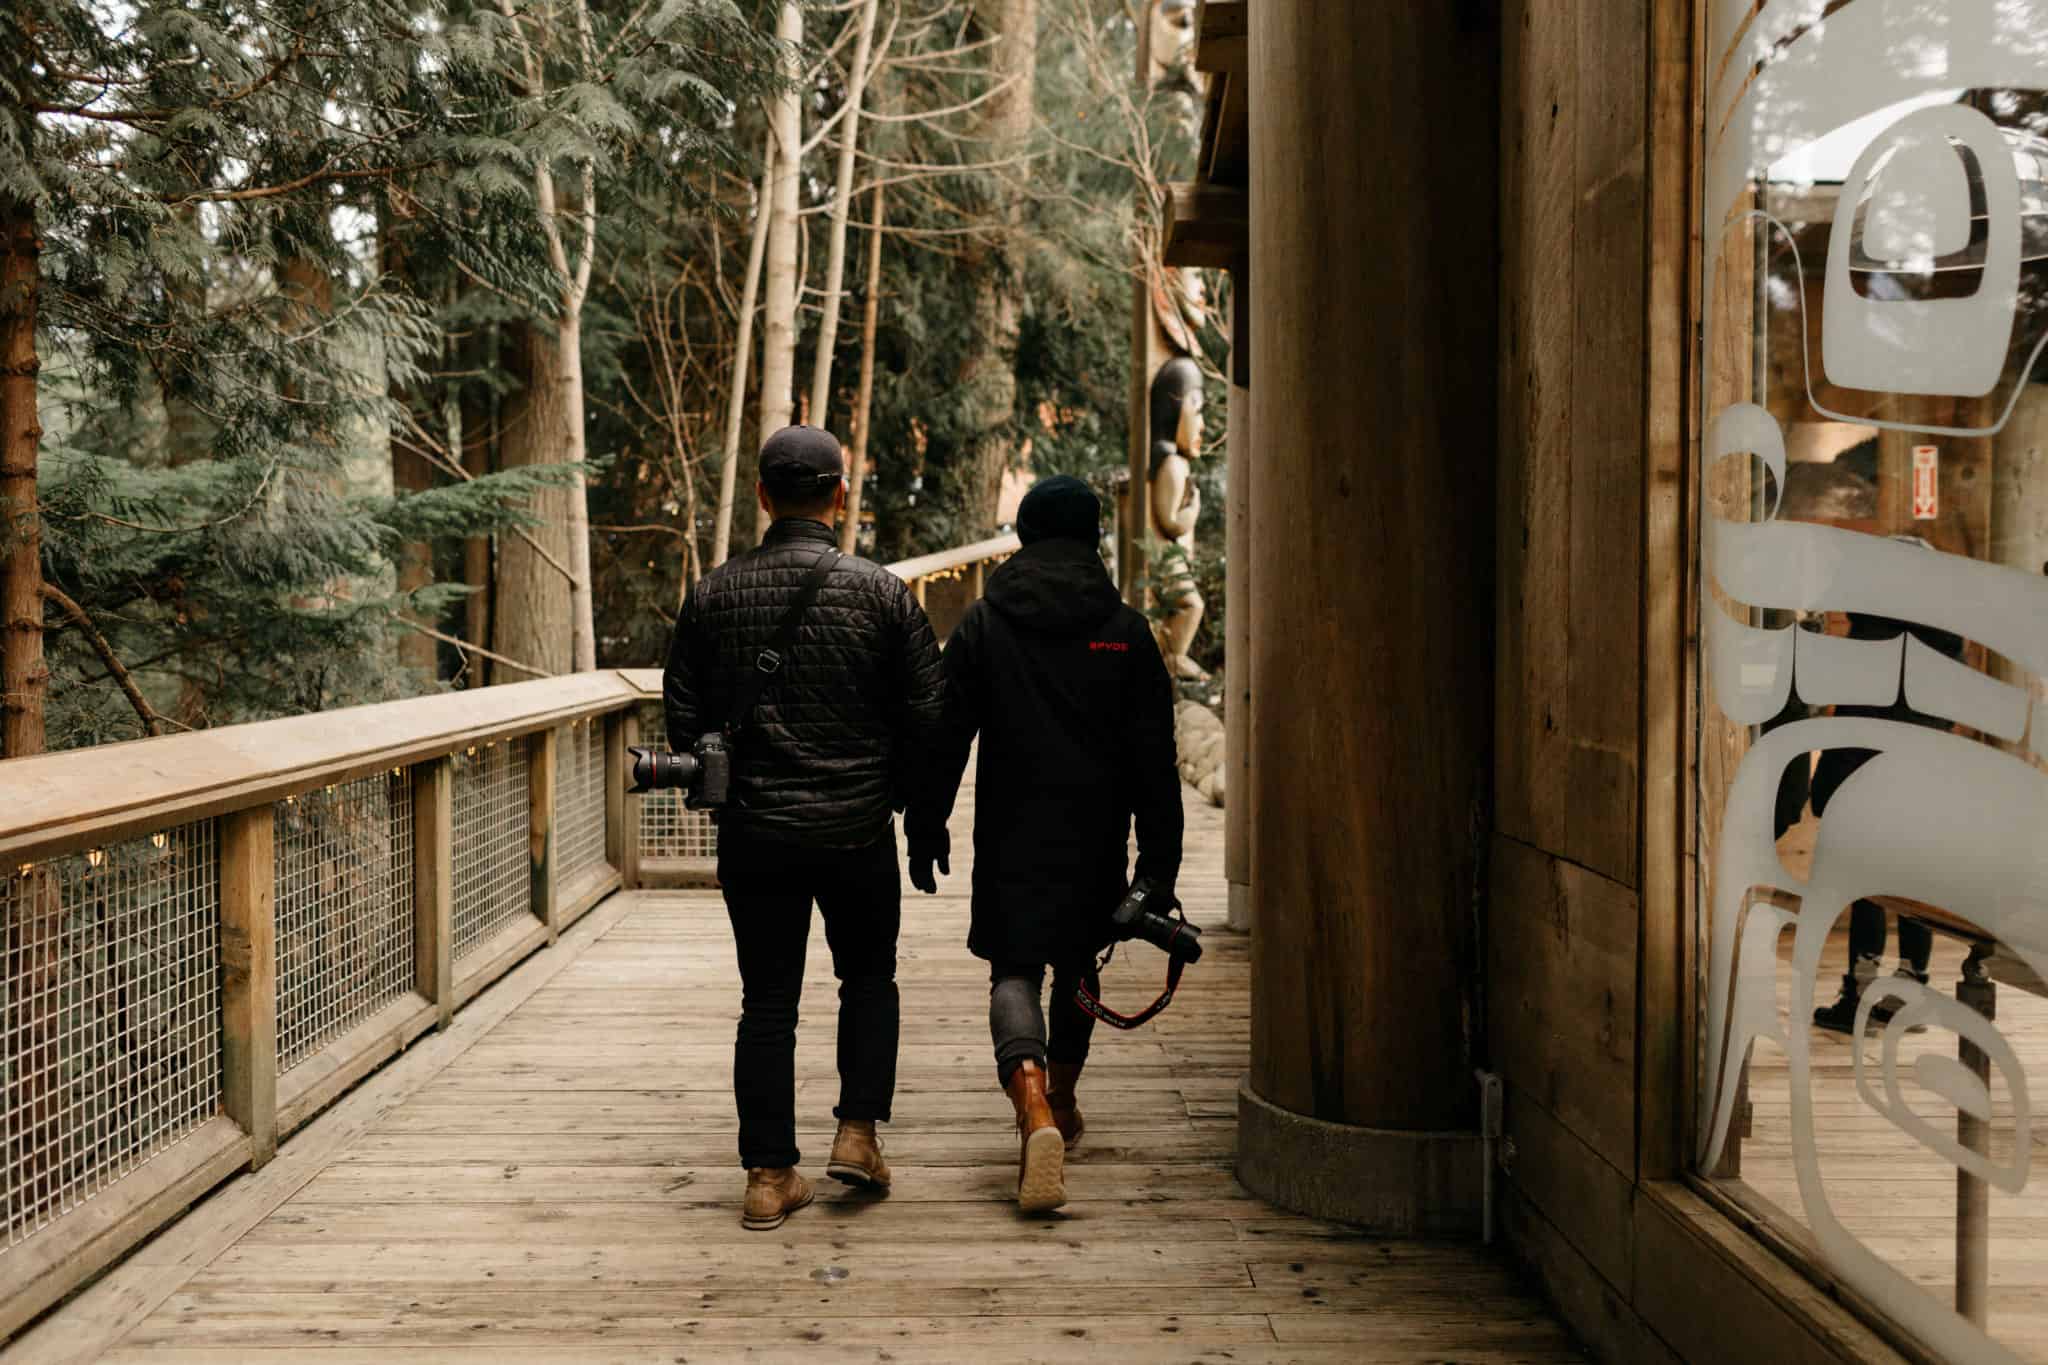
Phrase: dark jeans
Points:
(1016, 1022)
(769, 887)
(1867, 934)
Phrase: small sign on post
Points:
(1926, 483)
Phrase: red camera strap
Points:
(1086, 999)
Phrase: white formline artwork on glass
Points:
(1934, 816)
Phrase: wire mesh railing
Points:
(195, 944)
(669, 829)
(345, 932)
(579, 802)
(493, 868)
(110, 1020)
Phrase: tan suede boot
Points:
(773, 1193)
(857, 1156)
(1041, 1165)
(1061, 1078)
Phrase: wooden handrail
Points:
(910, 570)
(60, 802)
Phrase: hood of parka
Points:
(1054, 587)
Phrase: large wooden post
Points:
(1373, 345)
(433, 889)
(542, 748)
(248, 933)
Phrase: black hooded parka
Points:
(1068, 692)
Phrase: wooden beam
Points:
(615, 774)
(541, 750)
(627, 734)
(433, 893)
(1220, 36)
(248, 943)
(1226, 132)
(1207, 226)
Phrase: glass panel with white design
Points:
(1873, 802)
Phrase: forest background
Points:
(355, 349)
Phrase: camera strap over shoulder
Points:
(769, 661)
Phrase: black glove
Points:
(926, 849)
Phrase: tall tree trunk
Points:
(742, 353)
(478, 431)
(24, 678)
(410, 472)
(989, 373)
(778, 330)
(582, 612)
(842, 201)
(531, 607)
(857, 458)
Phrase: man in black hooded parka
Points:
(1067, 690)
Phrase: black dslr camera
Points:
(1134, 917)
(705, 773)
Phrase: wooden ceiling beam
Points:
(1207, 226)
(1220, 36)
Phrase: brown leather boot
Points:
(773, 1193)
(857, 1156)
(1041, 1166)
(1059, 1097)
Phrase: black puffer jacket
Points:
(826, 759)
(1068, 692)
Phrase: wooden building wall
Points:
(1563, 930)
(1588, 951)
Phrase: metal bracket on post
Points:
(1492, 1123)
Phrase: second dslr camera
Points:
(704, 774)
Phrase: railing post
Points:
(917, 590)
(433, 896)
(621, 812)
(541, 751)
(974, 578)
(248, 942)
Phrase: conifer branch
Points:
(151, 722)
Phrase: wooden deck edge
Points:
(679, 874)
(496, 955)
(57, 1260)
(583, 893)
(129, 1292)
(314, 1084)
(1714, 1292)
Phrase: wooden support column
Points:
(248, 942)
(616, 773)
(541, 749)
(1372, 341)
(1237, 616)
(433, 888)
(622, 822)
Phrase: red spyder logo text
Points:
(1120, 646)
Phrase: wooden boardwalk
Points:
(554, 1179)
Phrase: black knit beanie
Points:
(1059, 506)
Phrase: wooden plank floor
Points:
(565, 1188)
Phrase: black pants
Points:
(1016, 1022)
(769, 887)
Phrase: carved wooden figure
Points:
(1177, 505)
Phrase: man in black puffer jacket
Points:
(818, 771)
(1069, 693)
